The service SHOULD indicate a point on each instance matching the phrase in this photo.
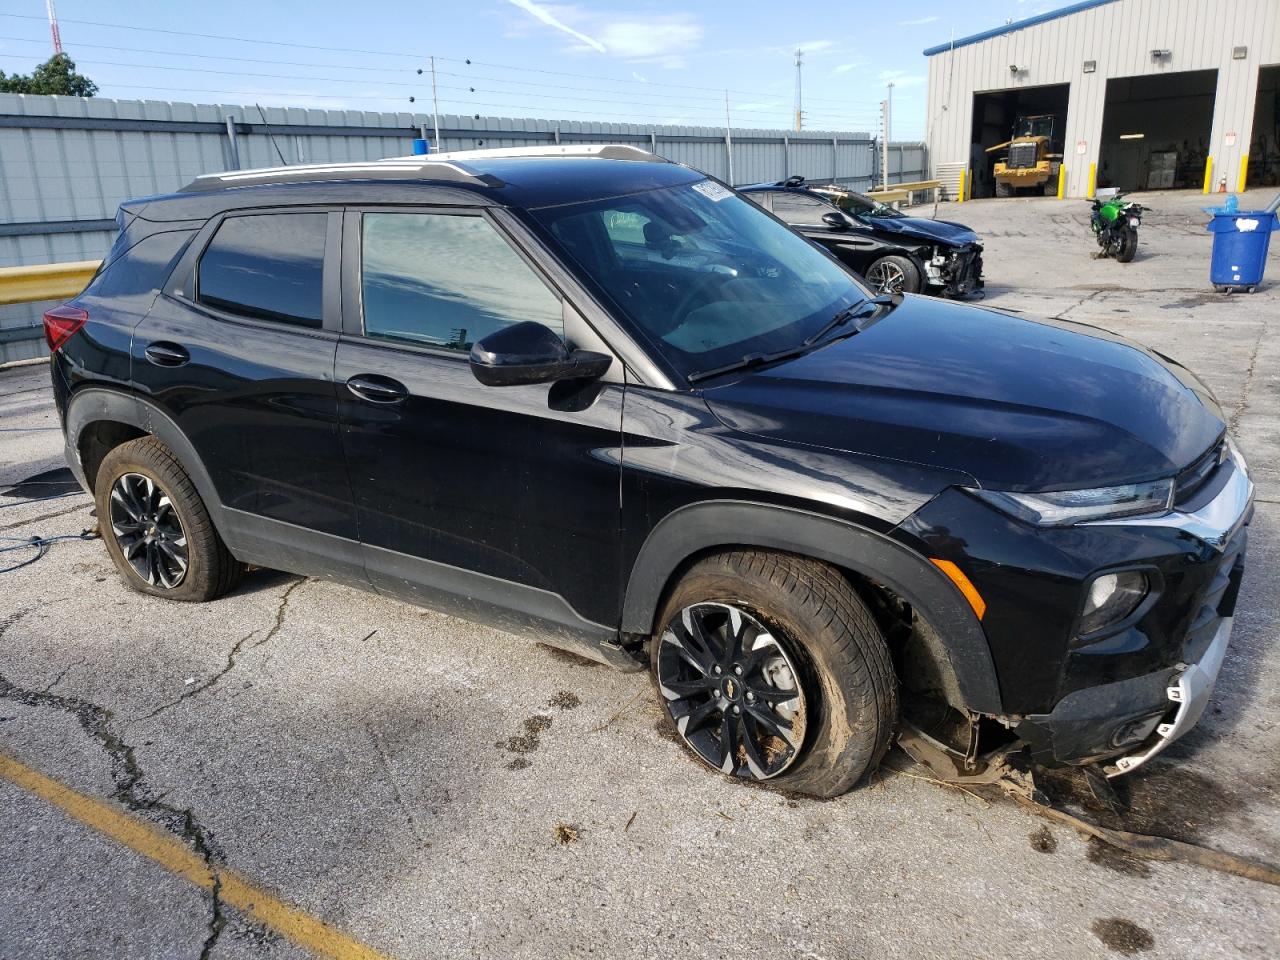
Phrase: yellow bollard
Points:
(1093, 180)
(960, 190)
(1244, 173)
(1208, 174)
(1062, 181)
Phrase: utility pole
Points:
(435, 105)
(799, 102)
(886, 133)
(53, 27)
(728, 136)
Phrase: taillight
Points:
(60, 323)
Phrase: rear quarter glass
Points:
(142, 268)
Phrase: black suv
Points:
(601, 399)
(893, 252)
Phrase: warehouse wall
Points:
(1119, 36)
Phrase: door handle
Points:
(376, 388)
(164, 354)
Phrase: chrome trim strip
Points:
(1190, 691)
(1214, 523)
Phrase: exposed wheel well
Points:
(99, 438)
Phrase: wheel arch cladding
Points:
(96, 416)
(694, 529)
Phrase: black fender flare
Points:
(93, 404)
(697, 527)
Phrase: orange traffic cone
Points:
(1222, 185)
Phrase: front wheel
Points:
(773, 669)
(1128, 245)
(894, 274)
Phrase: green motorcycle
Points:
(1115, 223)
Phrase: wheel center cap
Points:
(731, 688)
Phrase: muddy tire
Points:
(156, 527)
(1003, 190)
(810, 654)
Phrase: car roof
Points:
(527, 177)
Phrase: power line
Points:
(414, 56)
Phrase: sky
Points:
(649, 62)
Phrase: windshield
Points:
(705, 274)
(858, 206)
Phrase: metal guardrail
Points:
(46, 281)
(902, 191)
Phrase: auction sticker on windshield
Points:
(712, 190)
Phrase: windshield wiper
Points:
(858, 309)
(749, 362)
(753, 360)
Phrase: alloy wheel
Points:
(733, 690)
(886, 276)
(147, 530)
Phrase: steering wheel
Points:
(682, 309)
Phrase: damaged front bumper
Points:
(958, 271)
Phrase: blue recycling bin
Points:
(1240, 242)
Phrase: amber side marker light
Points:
(956, 576)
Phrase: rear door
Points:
(239, 352)
(501, 503)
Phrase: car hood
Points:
(939, 231)
(1017, 404)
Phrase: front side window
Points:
(446, 281)
(798, 208)
(267, 266)
(706, 274)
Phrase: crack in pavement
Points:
(1234, 420)
(127, 775)
(232, 655)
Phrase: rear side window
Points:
(267, 266)
(143, 268)
(797, 208)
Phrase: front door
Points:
(499, 503)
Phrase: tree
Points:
(57, 75)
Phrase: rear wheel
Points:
(772, 669)
(156, 527)
(1050, 187)
(1128, 245)
(1003, 189)
(894, 274)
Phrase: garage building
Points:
(1134, 94)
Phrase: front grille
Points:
(1219, 599)
(1022, 155)
(1192, 479)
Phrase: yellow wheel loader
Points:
(1029, 162)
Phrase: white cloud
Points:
(547, 17)
(901, 78)
(917, 23)
(654, 38)
(636, 76)
(844, 68)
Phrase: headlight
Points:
(1237, 457)
(1111, 598)
(1072, 506)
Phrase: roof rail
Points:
(397, 168)
(601, 151)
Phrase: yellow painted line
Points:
(1244, 173)
(45, 281)
(1208, 174)
(963, 584)
(179, 859)
(1093, 180)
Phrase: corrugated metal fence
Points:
(67, 163)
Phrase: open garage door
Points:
(1264, 144)
(1156, 129)
(995, 116)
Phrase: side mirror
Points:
(528, 352)
(837, 220)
